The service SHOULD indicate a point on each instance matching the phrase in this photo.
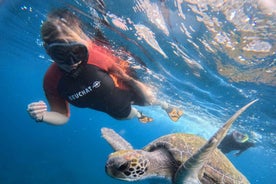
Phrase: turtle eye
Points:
(123, 167)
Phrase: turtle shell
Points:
(217, 169)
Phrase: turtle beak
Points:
(115, 168)
(110, 168)
(107, 169)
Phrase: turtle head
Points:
(128, 165)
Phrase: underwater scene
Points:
(206, 57)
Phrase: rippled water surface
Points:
(209, 57)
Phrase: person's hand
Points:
(36, 110)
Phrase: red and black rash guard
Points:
(93, 87)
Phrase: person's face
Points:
(68, 56)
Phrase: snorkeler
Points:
(235, 141)
(87, 75)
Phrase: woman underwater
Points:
(87, 75)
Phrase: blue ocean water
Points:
(209, 58)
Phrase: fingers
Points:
(36, 105)
(37, 116)
(36, 113)
(36, 110)
(32, 107)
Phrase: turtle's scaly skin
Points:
(218, 169)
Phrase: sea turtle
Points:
(181, 158)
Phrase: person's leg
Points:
(173, 112)
(142, 118)
(149, 99)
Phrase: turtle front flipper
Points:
(115, 140)
(188, 172)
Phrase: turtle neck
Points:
(161, 163)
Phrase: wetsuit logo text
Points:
(89, 89)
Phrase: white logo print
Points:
(89, 89)
(96, 84)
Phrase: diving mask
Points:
(67, 53)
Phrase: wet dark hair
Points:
(49, 33)
(61, 24)
(65, 15)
